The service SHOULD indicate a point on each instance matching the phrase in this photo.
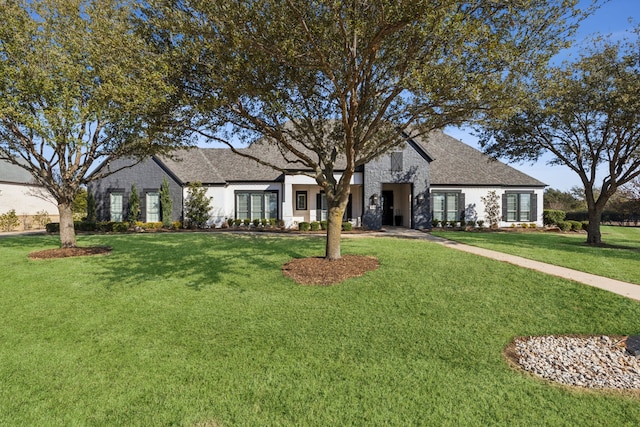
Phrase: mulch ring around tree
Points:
(70, 252)
(323, 272)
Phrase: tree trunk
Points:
(67, 232)
(594, 237)
(334, 231)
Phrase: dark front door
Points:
(387, 207)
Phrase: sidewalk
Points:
(628, 290)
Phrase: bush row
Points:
(321, 225)
(557, 218)
(437, 223)
(109, 226)
(264, 222)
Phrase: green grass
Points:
(619, 260)
(180, 329)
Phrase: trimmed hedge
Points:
(304, 226)
(552, 216)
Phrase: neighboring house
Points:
(437, 177)
(19, 193)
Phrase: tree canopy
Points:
(587, 115)
(78, 84)
(331, 82)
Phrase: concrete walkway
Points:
(628, 290)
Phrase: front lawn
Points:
(204, 329)
(620, 260)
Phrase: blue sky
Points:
(611, 18)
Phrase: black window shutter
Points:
(431, 204)
(318, 207)
(462, 207)
(504, 207)
(349, 211)
(534, 207)
(396, 162)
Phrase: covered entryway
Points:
(396, 205)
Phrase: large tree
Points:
(341, 82)
(587, 115)
(78, 85)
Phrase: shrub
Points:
(585, 225)
(264, 222)
(492, 208)
(304, 226)
(347, 226)
(246, 222)
(166, 203)
(237, 222)
(272, 222)
(53, 227)
(435, 223)
(323, 225)
(91, 207)
(152, 225)
(281, 223)
(120, 227)
(41, 218)
(564, 225)
(471, 223)
(525, 225)
(582, 215)
(105, 226)
(134, 205)
(315, 226)
(553, 216)
(9, 220)
(85, 226)
(176, 225)
(230, 222)
(575, 225)
(256, 222)
(197, 206)
(533, 225)
(480, 223)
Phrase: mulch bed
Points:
(320, 271)
(70, 252)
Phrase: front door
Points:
(387, 207)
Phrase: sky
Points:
(611, 18)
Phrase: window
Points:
(301, 200)
(256, 205)
(447, 205)
(396, 162)
(519, 207)
(152, 213)
(115, 206)
(322, 208)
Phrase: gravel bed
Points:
(592, 362)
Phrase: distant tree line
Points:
(623, 208)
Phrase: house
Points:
(425, 178)
(29, 201)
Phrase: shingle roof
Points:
(456, 163)
(216, 166)
(14, 174)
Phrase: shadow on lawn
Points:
(205, 259)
